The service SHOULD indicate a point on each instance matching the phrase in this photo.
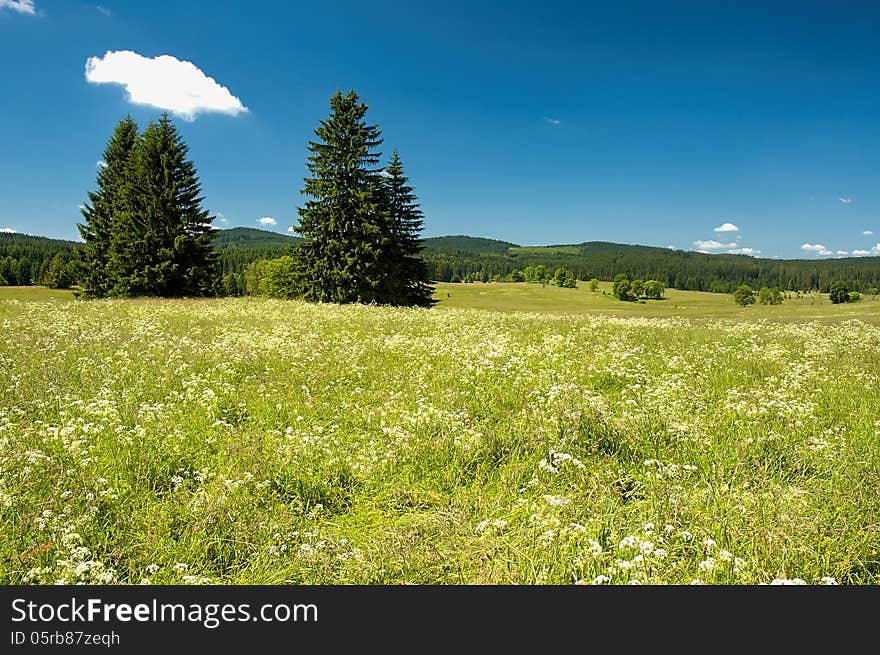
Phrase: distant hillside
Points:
(25, 258)
(679, 269)
(461, 243)
(252, 238)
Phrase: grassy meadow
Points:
(512, 434)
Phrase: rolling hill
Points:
(464, 258)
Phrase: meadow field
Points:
(512, 434)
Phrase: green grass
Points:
(34, 293)
(522, 297)
(258, 441)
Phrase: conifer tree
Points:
(345, 230)
(162, 241)
(103, 207)
(409, 273)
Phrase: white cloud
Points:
(744, 251)
(868, 233)
(555, 122)
(220, 217)
(267, 220)
(164, 82)
(711, 244)
(384, 173)
(845, 201)
(815, 247)
(7, 230)
(842, 253)
(726, 227)
(292, 230)
(21, 6)
(671, 247)
(861, 253)
(104, 10)
(100, 164)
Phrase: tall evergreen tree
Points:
(162, 241)
(409, 275)
(345, 230)
(103, 207)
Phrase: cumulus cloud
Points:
(267, 220)
(555, 122)
(842, 253)
(845, 200)
(868, 233)
(164, 82)
(744, 251)
(7, 230)
(711, 244)
(21, 6)
(816, 248)
(100, 164)
(726, 227)
(861, 253)
(292, 229)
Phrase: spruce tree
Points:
(102, 209)
(162, 241)
(344, 226)
(409, 272)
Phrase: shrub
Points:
(279, 280)
(744, 295)
(621, 287)
(839, 292)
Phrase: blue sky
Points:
(537, 123)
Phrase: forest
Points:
(25, 260)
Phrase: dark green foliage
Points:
(249, 238)
(406, 280)
(233, 285)
(621, 287)
(346, 234)
(467, 245)
(162, 238)
(25, 259)
(361, 226)
(239, 247)
(839, 292)
(744, 295)
(103, 208)
(145, 231)
(677, 269)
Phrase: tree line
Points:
(26, 260)
(146, 232)
(675, 269)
